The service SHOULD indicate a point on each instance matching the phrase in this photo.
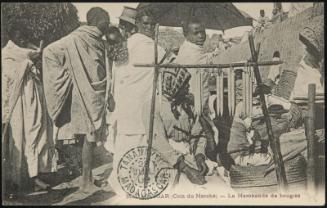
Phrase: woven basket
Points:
(253, 176)
(285, 84)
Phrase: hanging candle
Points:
(251, 91)
(244, 91)
(221, 99)
(232, 90)
(218, 93)
(229, 91)
(160, 89)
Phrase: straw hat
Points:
(276, 109)
(128, 15)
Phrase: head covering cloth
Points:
(173, 79)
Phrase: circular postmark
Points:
(131, 170)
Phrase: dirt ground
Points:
(66, 191)
(65, 187)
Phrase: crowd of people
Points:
(278, 15)
(91, 90)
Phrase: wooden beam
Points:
(311, 140)
(153, 104)
(211, 66)
(274, 143)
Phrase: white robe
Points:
(30, 135)
(189, 53)
(135, 84)
(306, 75)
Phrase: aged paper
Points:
(231, 94)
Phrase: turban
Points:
(96, 16)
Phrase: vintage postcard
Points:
(170, 103)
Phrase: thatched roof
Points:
(282, 37)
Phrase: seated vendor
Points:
(248, 143)
(179, 136)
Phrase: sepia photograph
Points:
(147, 103)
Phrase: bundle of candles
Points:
(247, 84)
(247, 90)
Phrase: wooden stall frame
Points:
(280, 169)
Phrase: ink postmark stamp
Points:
(131, 170)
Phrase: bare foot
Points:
(88, 188)
(101, 183)
(40, 185)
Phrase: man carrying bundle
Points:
(75, 83)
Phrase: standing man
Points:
(127, 22)
(24, 114)
(135, 87)
(75, 80)
(262, 21)
(128, 28)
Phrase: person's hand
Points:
(111, 103)
(247, 123)
(192, 174)
(33, 55)
(200, 162)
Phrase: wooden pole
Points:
(153, 103)
(221, 93)
(229, 91)
(244, 92)
(217, 66)
(218, 94)
(233, 90)
(251, 91)
(312, 143)
(274, 143)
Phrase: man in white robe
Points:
(24, 110)
(128, 28)
(135, 87)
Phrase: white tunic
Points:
(135, 84)
(30, 132)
